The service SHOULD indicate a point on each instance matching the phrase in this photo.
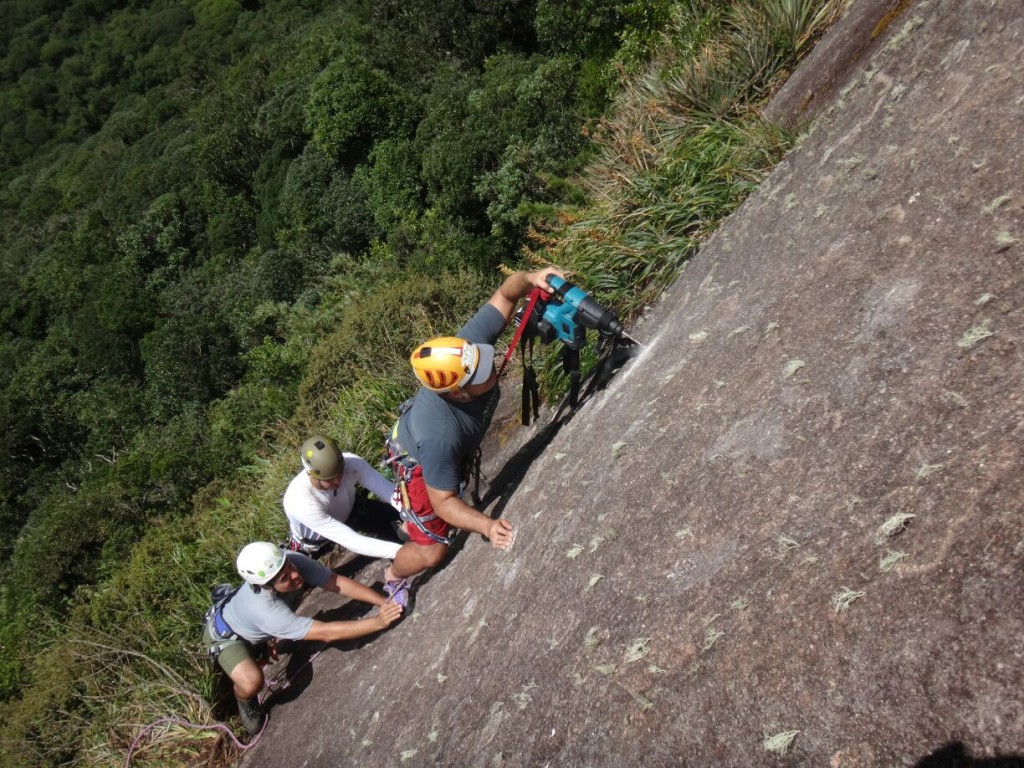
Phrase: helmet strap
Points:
(458, 396)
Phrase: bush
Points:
(390, 179)
(352, 104)
(321, 201)
(377, 333)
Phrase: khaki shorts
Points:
(229, 653)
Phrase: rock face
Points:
(798, 510)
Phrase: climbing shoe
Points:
(252, 715)
(398, 591)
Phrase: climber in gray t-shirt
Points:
(264, 609)
(444, 427)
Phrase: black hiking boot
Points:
(252, 715)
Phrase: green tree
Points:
(352, 104)
(584, 28)
(321, 200)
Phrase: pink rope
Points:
(197, 726)
(269, 689)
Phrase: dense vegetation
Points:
(224, 226)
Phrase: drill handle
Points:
(559, 285)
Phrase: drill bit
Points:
(630, 338)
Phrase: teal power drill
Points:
(565, 314)
(570, 311)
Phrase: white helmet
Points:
(259, 562)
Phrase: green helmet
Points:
(321, 457)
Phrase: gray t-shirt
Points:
(259, 617)
(441, 434)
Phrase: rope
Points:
(270, 687)
(195, 726)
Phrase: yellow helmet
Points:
(447, 363)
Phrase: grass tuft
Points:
(711, 636)
(893, 526)
(523, 698)
(955, 398)
(842, 599)
(686, 146)
(926, 469)
(974, 336)
(1005, 241)
(641, 700)
(637, 649)
(993, 206)
(784, 544)
(792, 367)
(780, 742)
(891, 560)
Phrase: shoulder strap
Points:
(531, 389)
(531, 302)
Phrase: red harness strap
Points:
(531, 302)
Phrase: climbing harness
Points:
(406, 468)
(312, 548)
(220, 631)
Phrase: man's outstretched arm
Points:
(454, 511)
(332, 631)
(517, 285)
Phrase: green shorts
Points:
(228, 653)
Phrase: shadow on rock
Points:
(954, 755)
(504, 484)
(298, 672)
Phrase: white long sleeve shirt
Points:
(313, 514)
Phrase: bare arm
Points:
(454, 511)
(343, 585)
(516, 286)
(332, 631)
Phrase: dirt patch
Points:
(702, 576)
